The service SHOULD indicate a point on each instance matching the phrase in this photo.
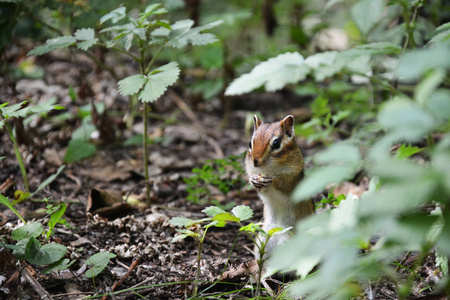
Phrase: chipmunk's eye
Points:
(276, 144)
(250, 145)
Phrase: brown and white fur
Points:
(274, 165)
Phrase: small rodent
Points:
(274, 165)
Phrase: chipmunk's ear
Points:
(256, 122)
(288, 125)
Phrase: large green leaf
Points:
(44, 255)
(158, 80)
(366, 13)
(274, 73)
(415, 63)
(32, 229)
(53, 44)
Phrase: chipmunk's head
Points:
(271, 143)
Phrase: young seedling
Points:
(218, 218)
(260, 238)
(150, 36)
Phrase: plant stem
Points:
(147, 186)
(153, 60)
(18, 157)
(197, 274)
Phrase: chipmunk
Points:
(274, 165)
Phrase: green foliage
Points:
(217, 218)
(150, 87)
(30, 249)
(56, 213)
(331, 200)
(220, 173)
(22, 110)
(97, 263)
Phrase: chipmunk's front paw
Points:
(260, 182)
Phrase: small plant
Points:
(21, 110)
(260, 238)
(330, 200)
(56, 212)
(214, 173)
(218, 218)
(29, 248)
(147, 33)
(194, 229)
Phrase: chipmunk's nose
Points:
(256, 162)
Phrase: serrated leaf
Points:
(98, 262)
(226, 216)
(86, 35)
(274, 73)
(181, 33)
(132, 84)
(243, 212)
(53, 44)
(16, 110)
(115, 15)
(213, 210)
(44, 255)
(406, 151)
(181, 222)
(366, 13)
(32, 229)
(158, 81)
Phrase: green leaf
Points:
(115, 15)
(381, 48)
(213, 210)
(62, 264)
(158, 80)
(181, 222)
(415, 63)
(226, 216)
(97, 263)
(53, 44)
(406, 118)
(86, 35)
(55, 217)
(132, 84)
(441, 34)
(439, 104)
(339, 153)
(274, 73)
(406, 151)
(318, 179)
(243, 212)
(30, 230)
(182, 34)
(49, 179)
(44, 255)
(428, 85)
(366, 13)
(78, 149)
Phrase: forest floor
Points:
(147, 259)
